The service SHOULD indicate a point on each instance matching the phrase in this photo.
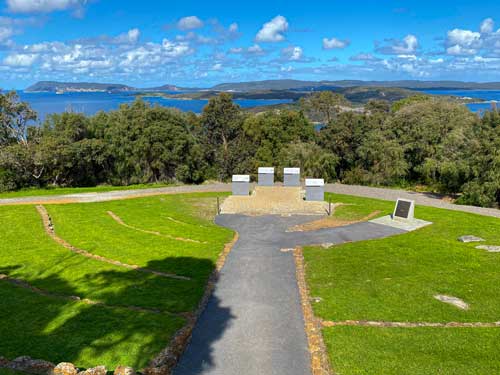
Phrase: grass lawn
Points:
(395, 279)
(75, 190)
(58, 329)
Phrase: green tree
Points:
(312, 160)
(221, 122)
(324, 105)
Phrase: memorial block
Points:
(315, 189)
(266, 176)
(291, 176)
(241, 184)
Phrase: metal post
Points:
(329, 206)
(218, 206)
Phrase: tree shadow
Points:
(213, 322)
(52, 326)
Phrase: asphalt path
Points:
(253, 322)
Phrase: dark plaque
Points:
(402, 209)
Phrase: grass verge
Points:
(395, 279)
(58, 329)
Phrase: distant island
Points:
(267, 85)
(356, 91)
(62, 87)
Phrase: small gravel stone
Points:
(455, 301)
(470, 238)
(489, 248)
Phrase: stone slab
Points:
(406, 225)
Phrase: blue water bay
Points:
(92, 102)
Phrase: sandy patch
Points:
(329, 222)
(273, 200)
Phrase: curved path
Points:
(424, 199)
(253, 322)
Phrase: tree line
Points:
(419, 140)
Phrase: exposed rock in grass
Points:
(124, 370)
(326, 245)
(455, 301)
(99, 370)
(65, 368)
(470, 238)
(489, 248)
(31, 366)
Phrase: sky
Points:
(200, 43)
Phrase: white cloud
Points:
(464, 38)
(463, 42)
(252, 50)
(408, 45)
(20, 60)
(334, 43)
(458, 50)
(437, 61)
(255, 49)
(42, 6)
(5, 33)
(273, 30)
(189, 23)
(131, 36)
(487, 26)
(217, 67)
(364, 57)
(293, 53)
(173, 49)
(233, 28)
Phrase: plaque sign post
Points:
(404, 209)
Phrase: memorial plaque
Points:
(266, 176)
(241, 184)
(404, 209)
(315, 189)
(291, 176)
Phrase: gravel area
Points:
(424, 199)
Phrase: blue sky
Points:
(194, 43)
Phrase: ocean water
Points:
(92, 102)
(489, 95)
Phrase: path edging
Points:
(320, 364)
(164, 363)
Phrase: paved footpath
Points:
(423, 199)
(253, 322)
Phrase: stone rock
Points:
(455, 301)
(124, 370)
(162, 370)
(326, 245)
(4, 361)
(99, 370)
(489, 248)
(316, 299)
(469, 238)
(32, 366)
(65, 368)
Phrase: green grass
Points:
(87, 335)
(395, 279)
(75, 190)
(419, 351)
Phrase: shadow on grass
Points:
(57, 329)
